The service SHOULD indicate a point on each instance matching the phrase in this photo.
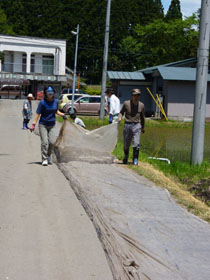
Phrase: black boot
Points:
(135, 156)
(125, 160)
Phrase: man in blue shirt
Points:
(47, 110)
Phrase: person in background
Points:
(77, 120)
(114, 105)
(27, 110)
(47, 110)
(134, 124)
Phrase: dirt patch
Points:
(202, 190)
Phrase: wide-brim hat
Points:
(30, 95)
(135, 91)
(109, 90)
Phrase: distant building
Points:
(33, 62)
(174, 82)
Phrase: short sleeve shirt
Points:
(133, 113)
(47, 110)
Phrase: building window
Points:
(8, 62)
(47, 65)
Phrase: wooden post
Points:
(78, 81)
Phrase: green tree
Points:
(161, 42)
(125, 15)
(174, 11)
(91, 15)
(43, 18)
(5, 28)
(56, 19)
(14, 10)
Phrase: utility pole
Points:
(106, 46)
(75, 67)
(197, 149)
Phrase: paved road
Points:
(44, 232)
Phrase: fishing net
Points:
(145, 235)
(75, 143)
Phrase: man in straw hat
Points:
(134, 124)
(27, 110)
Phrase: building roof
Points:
(118, 75)
(30, 37)
(178, 73)
(139, 75)
(171, 64)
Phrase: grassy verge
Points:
(189, 185)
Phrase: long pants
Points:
(131, 132)
(26, 120)
(25, 123)
(48, 139)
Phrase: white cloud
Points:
(187, 6)
(190, 6)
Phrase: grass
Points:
(180, 178)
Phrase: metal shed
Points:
(175, 82)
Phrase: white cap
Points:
(30, 95)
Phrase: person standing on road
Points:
(77, 120)
(27, 110)
(46, 110)
(114, 105)
(134, 124)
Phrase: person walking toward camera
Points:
(114, 105)
(47, 110)
(27, 110)
(134, 124)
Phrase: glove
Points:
(110, 118)
(32, 127)
(65, 117)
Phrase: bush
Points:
(93, 90)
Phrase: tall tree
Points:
(43, 18)
(15, 15)
(125, 15)
(160, 42)
(56, 19)
(174, 11)
(5, 28)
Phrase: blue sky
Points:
(187, 6)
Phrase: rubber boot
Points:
(135, 156)
(125, 160)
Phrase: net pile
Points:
(145, 235)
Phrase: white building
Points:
(35, 62)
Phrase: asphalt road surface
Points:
(44, 231)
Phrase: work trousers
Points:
(131, 132)
(48, 139)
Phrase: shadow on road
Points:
(35, 162)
